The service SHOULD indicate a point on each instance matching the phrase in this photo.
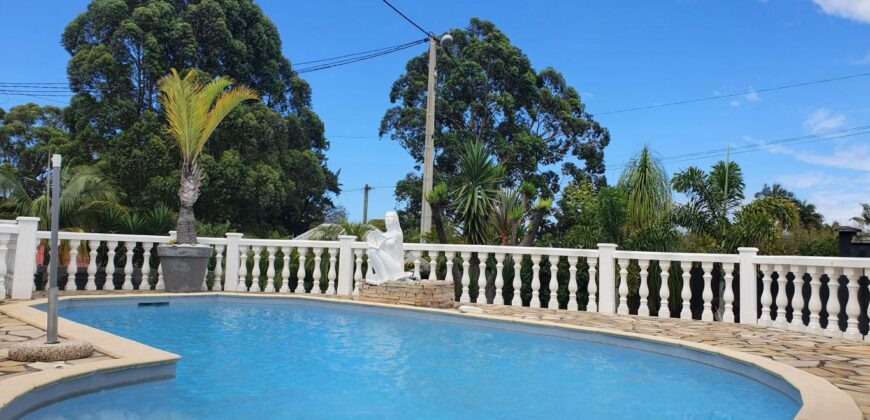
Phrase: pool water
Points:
(297, 360)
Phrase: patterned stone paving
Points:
(844, 363)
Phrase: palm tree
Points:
(775, 190)
(84, 196)
(480, 176)
(713, 198)
(193, 111)
(810, 218)
(507, 214)
(439, 201)
(864, 218)
(647, 190)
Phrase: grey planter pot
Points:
(184, 266)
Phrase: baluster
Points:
(466, 279)
(316, 275)
(128, 266)
(499, 279)
(357, 272)
(243, 269)
(686, 290)
(797, 301)
(160, 285)
(643, 289)
(72, 267)
(300, 272)
(553, 286)
(572, 284)
(481, 278)
(707, 315)
(448, 275)
(369, 268)
(728, 316)
(781, 296)
(622, 309)
(517, 283)
(204, 286)
(110, 267)
(270, 270)
(416, 255)
(815, 300)
(218, 269)
(536, 282)
(285, 271)
(4, 269)
(764, 320)
(853, 310)
(330, 275)
(833, 303)
(664, 290)
(145, 284)
(92, 265)
(592, 286)
(255, 269)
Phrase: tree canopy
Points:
(533, 122)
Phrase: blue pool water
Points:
(298, 360)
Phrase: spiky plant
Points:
(647, 190)
(507, 214)
(480, 176)
(193, 111)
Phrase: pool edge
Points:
(820, 398)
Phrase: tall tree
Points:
(713, 198)
(268, 155)
(864, 218)
(809, 217)
(647, 190)
(488, 91)
(474, 198)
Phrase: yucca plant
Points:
(193, 111)
(647, 190)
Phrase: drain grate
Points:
(153, 304)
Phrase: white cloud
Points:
(844, 156)
(850, 9)
(734, 102)
(752, 96)
(835, 197)
(823, 119)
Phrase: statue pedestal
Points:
(425, 293)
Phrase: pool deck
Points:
(843, 363)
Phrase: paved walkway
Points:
(846, 364)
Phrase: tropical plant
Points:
(84, 196)
(864, 218)
(439, 201)
(508, 210)
(540, 210)
(713, 198)
(809, 217)
(480, 176)
(193, 111)
(647, 190)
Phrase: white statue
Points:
(385, 252)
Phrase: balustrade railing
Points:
(820, 295)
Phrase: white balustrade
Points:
(592, 286)
(643, 289)
(664, 289)
(466, 278)
(255, 269)
(853, 310)
(72, 266)
(300, 272)
(128, 266)
(316, 275)
(815, 306)
(622, 309)
(536, 282)
(686, 290)
(357, 271)
(110, 267)
(416, 255)
(728, 277)
(517, 284)
(160, 285)
(92, 265)
(145, 283)
(832, 306)
(499, 279)
(707, 295)
(572, 284)
(270, 270)
(764, 320)
(781, 296)
(553, 286)
(285, 270)
(243, 269)
(330, 275)
(797, 301)
(218, 269)
(448, 263)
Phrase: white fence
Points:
(820, 295)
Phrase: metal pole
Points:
(426, 213)
(366, 190)
(51, 334)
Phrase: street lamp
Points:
(428, 153)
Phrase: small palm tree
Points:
(480, 178)
(193, 111)
(864, 218)
(647, 190)
(507, 214)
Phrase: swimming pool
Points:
(277, 358)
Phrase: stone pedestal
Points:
(425, 293)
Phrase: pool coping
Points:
(820, 398)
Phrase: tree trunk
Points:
(529, 239)
(439, 224)
(186, 227)
(188, 192)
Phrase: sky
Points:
(618, 54)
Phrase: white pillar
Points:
(766, 298)
(664, 290)
(346, 265)
(606, 279)
(748, 286)
(231, 274)
(25, 258)
(643, 289)
(853, 310)
(592, 286)
(781, 297)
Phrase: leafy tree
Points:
(488, 91)
(266, 163)
(508, 210)
(809, 217)
(864, 218)
(193, 111)
(712, 199)
(480, 176)
(647, 190)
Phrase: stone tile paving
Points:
(844, 363)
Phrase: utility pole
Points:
(426, 211)
(51, 330)
(366, 190)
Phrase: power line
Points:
(358, 59)
(427, 33)
(357, 54)
(731, 95)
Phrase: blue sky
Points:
(618, 54)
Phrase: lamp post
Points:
(428, 147)
(51, 334)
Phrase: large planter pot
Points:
(184, 266)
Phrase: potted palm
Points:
(193, 111)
